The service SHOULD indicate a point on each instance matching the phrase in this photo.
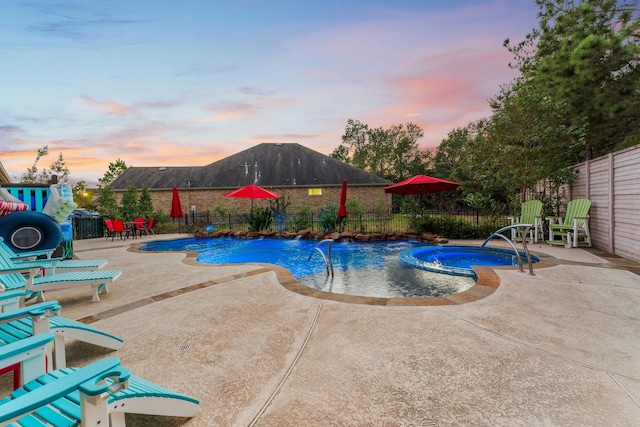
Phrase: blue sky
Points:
(186, 83)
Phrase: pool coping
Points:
(486, 284)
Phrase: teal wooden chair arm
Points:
(97, 386)
(38, 262)
(29, 354)
(10, 300)
(14, 270)
(18, 351)
(47, 308)
(78, 380)
(33, 254)
(30, 254)
(12, 294)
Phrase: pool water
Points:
(370, 269)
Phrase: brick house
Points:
(296, 172)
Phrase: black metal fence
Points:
(87, 228)
(458, 224)
(462, 223)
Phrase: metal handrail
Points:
(524, 243)
(328, 262)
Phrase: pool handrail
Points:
(328, 263)
(499, 232)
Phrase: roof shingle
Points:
(267, 165)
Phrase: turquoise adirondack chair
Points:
(97, 394)
(12, 277)
(17, 323)
(530, 213)
(573, 228)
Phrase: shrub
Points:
(260, 219)
(303, 218)
(452, 227)
(328, 217)
(355, 215)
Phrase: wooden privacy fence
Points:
(612, 183)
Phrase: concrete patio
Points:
(561, 348)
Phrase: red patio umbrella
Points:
(252, 191)
(342, 211)
(421, 184)
(176, 208)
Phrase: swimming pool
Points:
(370, 269)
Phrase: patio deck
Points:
(560, 348)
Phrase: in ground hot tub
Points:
(457, 260)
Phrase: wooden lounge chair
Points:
(530, 213)
(19, 323)
(95, 395)
(12, 277)
(573, 228)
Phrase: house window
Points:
(315, 191)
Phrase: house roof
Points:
(267, 165)
(4, 176)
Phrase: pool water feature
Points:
(458, 260)
(369, 269)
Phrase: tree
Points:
(114, 171)
(145, 203)
(83, 196)
(30, 176)
(393, 154)
(531, 139)
(129, 206)
(58, 168)
(449, 160)
(107, 203)
(584, 60)
(577, 97)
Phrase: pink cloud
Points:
(231, 111)
(109, 107)
(283, 138)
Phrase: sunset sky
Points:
(186, 83)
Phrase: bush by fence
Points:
(459, 224)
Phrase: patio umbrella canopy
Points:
(421, 184)
(176, 209)
(176, 206)
(252, 191)
(342, 211)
